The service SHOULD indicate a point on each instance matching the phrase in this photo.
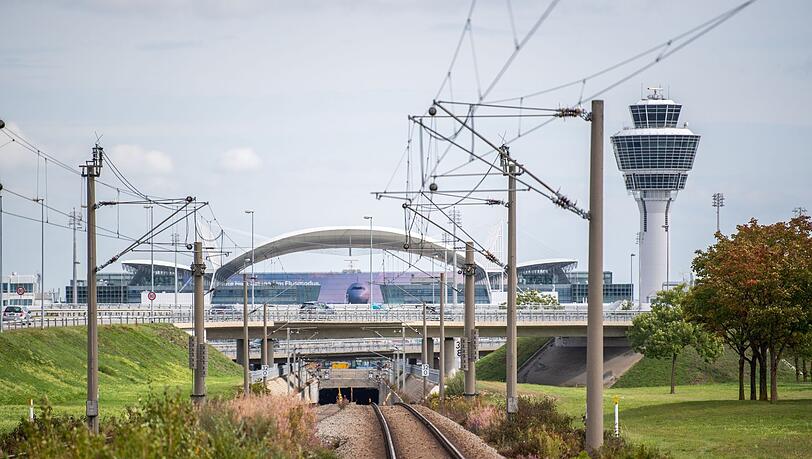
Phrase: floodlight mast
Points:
(718, 202)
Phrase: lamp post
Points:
(252, 257)
(151, 262)
(369, 217)
(175, 241)
(631, 273)
(718, 202)
(667, 257)
(42, 261)
(2, 284)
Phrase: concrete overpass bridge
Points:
(399, 324)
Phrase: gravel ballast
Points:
(469, 444)
(354, 428)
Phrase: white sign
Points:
(424, 370)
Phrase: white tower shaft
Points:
(654, 218)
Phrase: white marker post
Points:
(616, 401)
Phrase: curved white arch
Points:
(340, 237)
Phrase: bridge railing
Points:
(126, 314)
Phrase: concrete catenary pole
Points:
(92, 169)
(287, 352)
(2, 296)
(246, 389)
(470, 323)
(442, 343)
(403, 353)
(265, 341)
(594, 342)
(198, 270)
(510, 356)
(2, 284)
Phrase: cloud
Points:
(170, 45)
(240, 160)
(137, 160)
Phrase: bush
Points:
(172, 427)
(455, 386)
(538, 430)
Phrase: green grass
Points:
(492, 366)
(699, 420)
(133, 361)
(691, 369)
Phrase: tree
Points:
(761, 278)
(664, 332)
(728, 322)
(535, 298)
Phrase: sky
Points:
(298, 110)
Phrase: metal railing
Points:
(72, 315)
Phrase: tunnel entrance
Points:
(358, 395)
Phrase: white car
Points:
(17, 314)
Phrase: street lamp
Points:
(369, 217)
(631, 273)
(252, 256)
(667, 257)
(151, 262)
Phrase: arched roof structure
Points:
(341, 237)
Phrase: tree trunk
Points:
(797, 370)
(673, 372)
(753, 364)
(803, 365)
(762, 373)
(773, 375)
(741, 376)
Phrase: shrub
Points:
(481, 418)
(538, 430)
(170, 426)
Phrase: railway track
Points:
(403, 444)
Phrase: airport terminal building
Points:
(224, 284)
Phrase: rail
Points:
(389, 445)
(442, 439)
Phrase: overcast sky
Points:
(298, 110)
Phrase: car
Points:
(227, 310)
(315, 308)
(17, 314)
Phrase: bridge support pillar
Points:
(430, 352)
(240, 354)
(450, 356)
(267, 343)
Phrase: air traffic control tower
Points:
(655, 157)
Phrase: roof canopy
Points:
(340, 237)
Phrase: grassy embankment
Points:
(703, 419)
(691, 369)
(699, 420)
(133, 362)
(492, 366)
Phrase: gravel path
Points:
(412, 439)
(469, 444)
(355, 429)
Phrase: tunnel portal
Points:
(358, 395)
